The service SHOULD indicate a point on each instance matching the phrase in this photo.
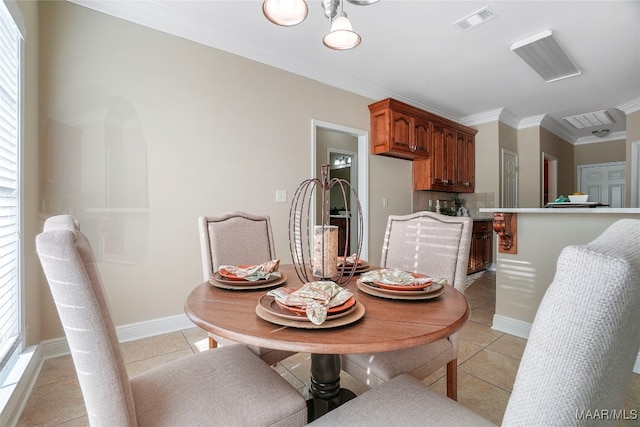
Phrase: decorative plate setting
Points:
(268, 309)
(223, 282)
(360, 267)
(333, 310)
(433, 291)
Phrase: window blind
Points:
(10, 324)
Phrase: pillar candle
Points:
(325, 251)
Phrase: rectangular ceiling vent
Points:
(543, 53)
(589, 120)
(476, 18)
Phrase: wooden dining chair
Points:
(236, 238)
(576, 365)
(435, 245)
(225, 386)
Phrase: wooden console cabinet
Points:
(481, 251)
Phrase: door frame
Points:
(635, 174)
(353, 177)
(363, 171)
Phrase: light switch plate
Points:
(281, 196)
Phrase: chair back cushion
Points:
(234, 238)
(429, 243)
(585, 337)
(70, 268)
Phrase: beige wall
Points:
(487, 158)
(611, 151)
(529, 169)
(552, 144)
(142, 132)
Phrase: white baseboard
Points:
(12, 410)
(521, 329)
(511, 326)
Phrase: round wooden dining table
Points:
(387, 324)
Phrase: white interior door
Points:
(509, 194)
(604, 183)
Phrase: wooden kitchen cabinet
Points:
(465, 162)
(399, 130)
(451, 166)
(343, 237)
(481, 250)
(443, 151)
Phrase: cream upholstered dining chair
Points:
(227, 386)
(577, 362)
(437, 246)
(237, 238)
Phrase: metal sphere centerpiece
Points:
(314, 243)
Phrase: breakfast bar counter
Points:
(526, 268)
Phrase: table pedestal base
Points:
(324, 393)
(318, 407)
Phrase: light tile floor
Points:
(488, 362)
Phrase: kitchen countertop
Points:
(599, 210)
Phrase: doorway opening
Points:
(549, 179)
(330, 142)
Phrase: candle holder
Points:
(314, 247)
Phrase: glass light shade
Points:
(341, 36)
(285, 12)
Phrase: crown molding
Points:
(630, 106)
(499, 114)
(615, 136)
(529, 122)
(481, 118)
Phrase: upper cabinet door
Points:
(422, 128)
(401, 131)
(398, 131)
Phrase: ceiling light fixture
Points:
(601, 133)
(341, 36)
(543, 53)
(286, 13)
(292, 12)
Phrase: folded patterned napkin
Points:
(393, 276)
(348, 261)
(316, 297)
(252, 273)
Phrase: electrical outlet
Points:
(281, 196)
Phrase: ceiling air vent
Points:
(543, 53)
(589, 120)
(476, 18)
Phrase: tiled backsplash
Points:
(472, 202)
